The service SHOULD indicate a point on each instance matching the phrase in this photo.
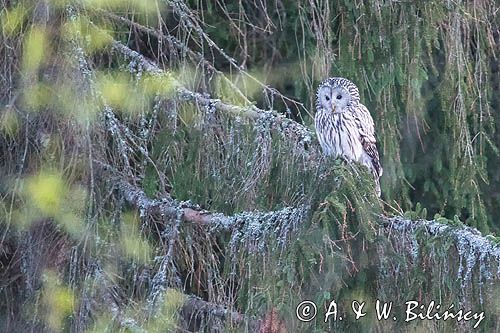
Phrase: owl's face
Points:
(333, 98)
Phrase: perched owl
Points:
(345, 126)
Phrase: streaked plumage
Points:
(344, 125)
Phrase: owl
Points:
(345, 126)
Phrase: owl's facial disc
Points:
(340, 99)
(333, 99)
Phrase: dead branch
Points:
(187, 212)
(176, 43)
(287, 127)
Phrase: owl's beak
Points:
(333, 108)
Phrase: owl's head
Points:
(336, 94)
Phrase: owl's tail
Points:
(377, 186)
(377, 173)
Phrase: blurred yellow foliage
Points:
(141, 6)
(48, 193)
(9, 124)
(166, 315)
(58, 300)
(246, 84)
(115, 90)
(74, 102)
(96, 37)
(38, 95)
(162, 85)
(47, 190)
(36, 49)
(133, 245)
(12, 20)
(119, 92)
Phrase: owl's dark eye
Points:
(339, 96)
(327, 98)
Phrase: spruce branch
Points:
(287, 127)
(170, 208)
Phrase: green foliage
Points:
(418, 213)
(77, 117)
(443, 220)
(352, 201)
(429, 95)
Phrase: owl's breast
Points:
(338, 135)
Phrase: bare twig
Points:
(287, 127)
(191, 22)
(173, 41)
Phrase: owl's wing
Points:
(367, 135)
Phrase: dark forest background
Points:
(159, 169)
